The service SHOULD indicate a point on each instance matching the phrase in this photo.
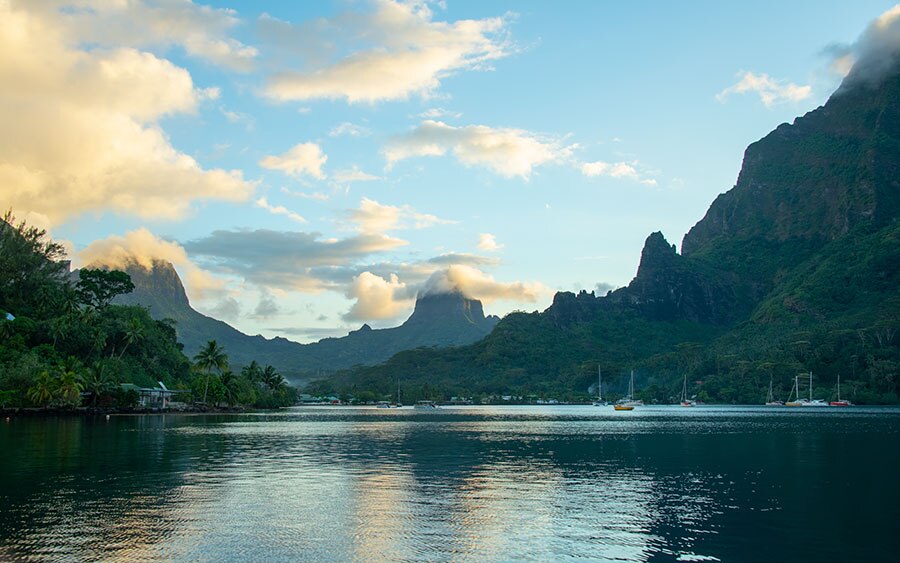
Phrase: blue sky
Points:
(309, 167)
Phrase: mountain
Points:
(796, 268)
(439, 320)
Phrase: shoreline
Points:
(30, 412)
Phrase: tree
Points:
(230, 383)
(133, 333)
(272, 379)
(44, 389)
(253, 372)
(69, 387)
(97, 287)
(97, 382)
(30, 265)
(209, 358)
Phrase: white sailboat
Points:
(685, 402)
(599, 402)
(629, 402)
(770, 398)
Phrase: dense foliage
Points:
(63, 344)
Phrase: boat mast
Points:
(839, 387)
(599, 383)
(770, 397)
(631, 386)
(810, 387)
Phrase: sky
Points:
(309, 167)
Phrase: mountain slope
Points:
(447, 319)
(793, 269)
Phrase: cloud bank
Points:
(770, 91)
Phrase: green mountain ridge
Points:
(794, 269)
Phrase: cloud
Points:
(285, 259)
(81, 131)
(391, 53)
(438, 113)
(378, 298)
(347, 129)
(304, 158)
(614, 170)
(770, 91)
(143, 248)
(266, 308)
(226, 308)
(602, 288)
(279, 210)
(353, 174)
(476, 284)
(874, 53)
(318, 196)
(488, 242)
(463, 258)
(201, 31)
(372, 217)
(508, 152)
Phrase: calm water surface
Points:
(468, 483)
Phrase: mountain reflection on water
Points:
(487, 483)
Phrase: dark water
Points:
(477, 483)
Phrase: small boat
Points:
(382, 405)
(628, 402)
(840, 402)
(425, 405)
(795, 392)
(599, 402)
(685, 402)
(770, 398)
(805, 402)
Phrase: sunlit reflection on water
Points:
(463, 484)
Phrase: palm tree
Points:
(252, 372)
(69, 387)
(272, 378)
(212, 356)
(43, 390)
(229, 382)
(97, 382)
(134, 333)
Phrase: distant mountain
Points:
(439, 320)
(796, 268)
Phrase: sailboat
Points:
(599, 402)
(685, 402)
(770, 398)
(840, 402)
(795, 393)
(628, 402)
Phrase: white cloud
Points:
(347, 129)
(474, 283)
(279, 210)
(353, 174)
(81, 129)
(378, 298)
(508, 152)
(488, 242)
(615, 170)
(770, 91)
(202, 31)
(373, 217)
(875, 52)
(395, 52)
(438, 113)
(143, 248)
(226, 308)
(318, 196)
(304, 158)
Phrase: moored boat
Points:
(840, 402)
(685, 402)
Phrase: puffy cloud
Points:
(304, 158)
(373, 217)
(472, 282)
(397, 51)
(285, 259)
(267, 307)
(614, 170)
(770, 91)
(201, 31)
(279, 210)
(143, 248)
(226, 308)
(81, 128)
(488, 242)
(508, 152)
(378, 298)
(875, 52)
